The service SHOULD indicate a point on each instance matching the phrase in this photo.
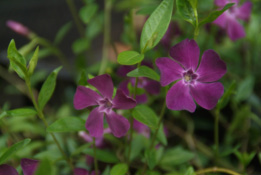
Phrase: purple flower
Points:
(172, 31)
(193, 81)
(82, 171)
(229, 19)
(141, 128)
(18, 27)
(29, 166)
(85, 97)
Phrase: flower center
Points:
(189, 77)
(105, 105)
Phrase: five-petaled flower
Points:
(85, 97)
(194, 81)
(229, 19)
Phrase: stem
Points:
(41, 116)
(216, 169)
(106, 35)
(76, 19)
(216, 133)
(95, 157)
(196, 31)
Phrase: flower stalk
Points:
(95, 157)
(217, 170)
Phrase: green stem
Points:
(106, 35)
(216, 169)
(196, 31)
(42, 117)
(95, 157)
(216, 133)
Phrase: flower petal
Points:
(235, 30)
(94, 123)
(104, 85)
(7, 170)
(141, 98)
(207, 94)
(211, 67)
(220, 3)
(121, 101)
(221, 21)
(244, 11)
(29, 166)
(152, 87)
(118, 124)
(187, 53)
(80, 171)
(169, 69)
(85, 97)
(179, 98)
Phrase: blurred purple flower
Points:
(29, 166)
(194, 83)
(85, 97)
(172, 31)
(229, 19)
(18, 28)
(82, 171)
(141, 128)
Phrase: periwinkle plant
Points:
(117, 122)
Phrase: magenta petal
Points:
(235, 30)
(80, 171)
(85, 97)
(118, 124)
(221, 21)
(141, 98)
(179, 98)
(104, 85)
(29, 166)
(211, 67)
(7, 170)
(244, 11)
(187, 53)
(169, 69)
(220, 3)
(94, 123)
(152, 87)
(121, 101)
(207, 94)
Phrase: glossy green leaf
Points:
(67, 124)
(62, 32)
(119, 169)
(214, 15)
(145, 115)
(129, 57)
(21, 112)
(47, 89)
(186, 11)
(13, 149)
(156, 26)
(45, 167)
(33, 61)
(87, 12)
(245, 89)
(144, 71)
(17, 61)
(104, 155)
(80, 45)
(151, 158)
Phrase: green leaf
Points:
(87, 12)
(225, 98)
(104, 155)
(21, 112)
(80, 45)
(156, 26)
(13, 149)
(214, 15)
(130, 57)
(147, 10)
(245, 158)
(48, 88)
(62, 32)
(190, 171)
(67, 124)
(151, 158)
(119, 169)
(245, 89)
(144, 71)
(145, 115)
(33, 61)
(162, 136)
(17, 61)
(45, 167)
(186, 11)
(95, 26)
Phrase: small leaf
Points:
(190, 171)
(162, 136)
(33, 61)
(130, 58)
(225, 98)
(67, 124)
(95, 26)
(45, 167)
(214, 15)
(119, 169)
(13, 149)
(156, 26)
(87, 12)
(151, 158)
(48, 88)
(144, 71)
(21, 112)
(186, 11)
(80, 45)
(106, 156)
(62, 32)
(245, 89)
(145, 115)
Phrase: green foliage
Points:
(45, 167)
(144, 71)
(151, 159)
(87, 12)
(47, 89)
(104, 155)
(226, 97)
(190, 171)
(186, 9)
(62, 32)
(162, 136)
(119, 169)
(21, 112)
(245, 158)
(33, 62)
(80, 45)
(245, 88)
(129, 58)
(156, 26)
(67, 124)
